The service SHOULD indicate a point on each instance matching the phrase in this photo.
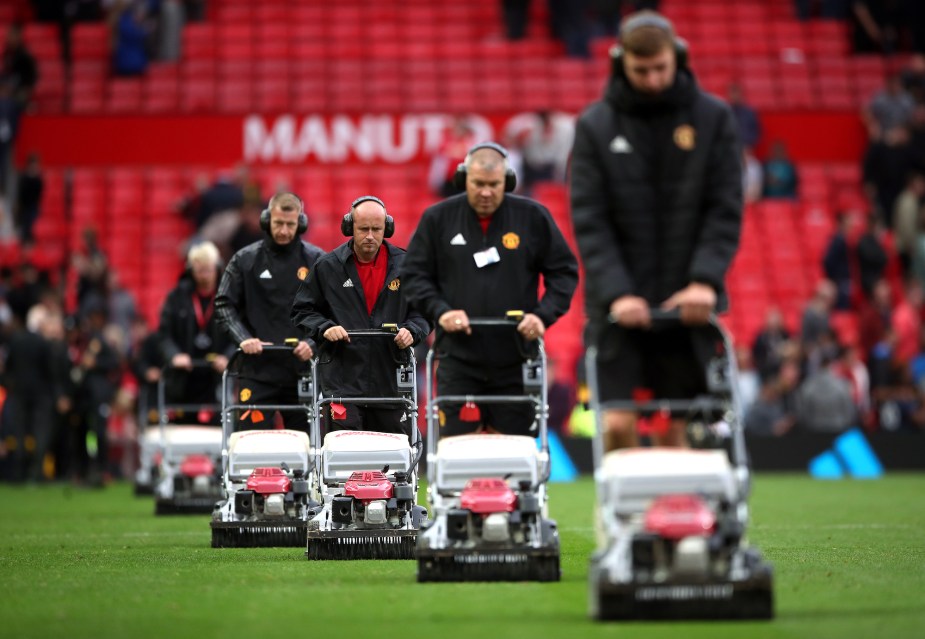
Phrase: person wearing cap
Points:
(357, 287)
(656, 195)
(480, 254)
(253, 303)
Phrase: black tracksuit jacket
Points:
(366, 366)
(440, 273)
(255, 298)
(656, 193)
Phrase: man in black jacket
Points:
(481, 253)
(357, 287)
(656, 194)
(253, 305)
(189, 333)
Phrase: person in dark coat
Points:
(29, 380)
(656, 194)
(191, 341)
(480, 254)
(254, 299)
(357, 287)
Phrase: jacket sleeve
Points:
(560, 274)
(416, 324)
(722, 210)
(167, 343)
(419, 271)
(228, 301)
(310, 309)
(606, 274)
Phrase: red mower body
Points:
(266, 481)
(486, 496)
(368, 485)
(677, 516)
(197, 466)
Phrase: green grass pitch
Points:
(849, 558)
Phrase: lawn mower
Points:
(182, 455)
(367, 480)
(266, 474)
(672, 541)
(487, 492)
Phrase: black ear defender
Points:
(346, 224)
(510, 178)
(648, 19)
(303, 218)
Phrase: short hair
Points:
(486, 157)
(286, 202)
(654, 33)
(203, 252)
(35, 318)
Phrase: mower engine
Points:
(199, 472)
(371, 500)
(490, 511)
(270, 492)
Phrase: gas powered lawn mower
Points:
(672, 540)
(367, 480)
(266, 478)
(487, 492)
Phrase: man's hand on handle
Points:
(696, 303)
(631, 311)
(336, 334)
(455, 321)
(531, 327)
(303, 351)
(404, 339)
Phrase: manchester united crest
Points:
(245, 394)
(302, 273)
(510, 241)
(394, 284)
(685, 137)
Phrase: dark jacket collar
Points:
(345, 251)
(623, 97)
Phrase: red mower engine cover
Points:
(197, 466)
(266, 481)
(678, 516)
(486, 496)
(368, 485)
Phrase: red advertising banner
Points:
(342, 138)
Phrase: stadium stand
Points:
(349, 56)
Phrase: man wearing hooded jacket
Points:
(357, 287)
(656, 194)
(253, 303)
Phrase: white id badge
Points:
(486, 257)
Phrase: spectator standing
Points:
(253, 305)
(825, 403)
(871, 255)
(130, 54)
(326, 308)
(29, 198)
(746, 117)
(886, 165)
(907, 218)
(836, 262)
(480, 254)
(546, 148)
(18, 67)
(890, 107)
(656, 194)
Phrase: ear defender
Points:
(510, 178)
(346, 224)
(648, 20)
(302, 223)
